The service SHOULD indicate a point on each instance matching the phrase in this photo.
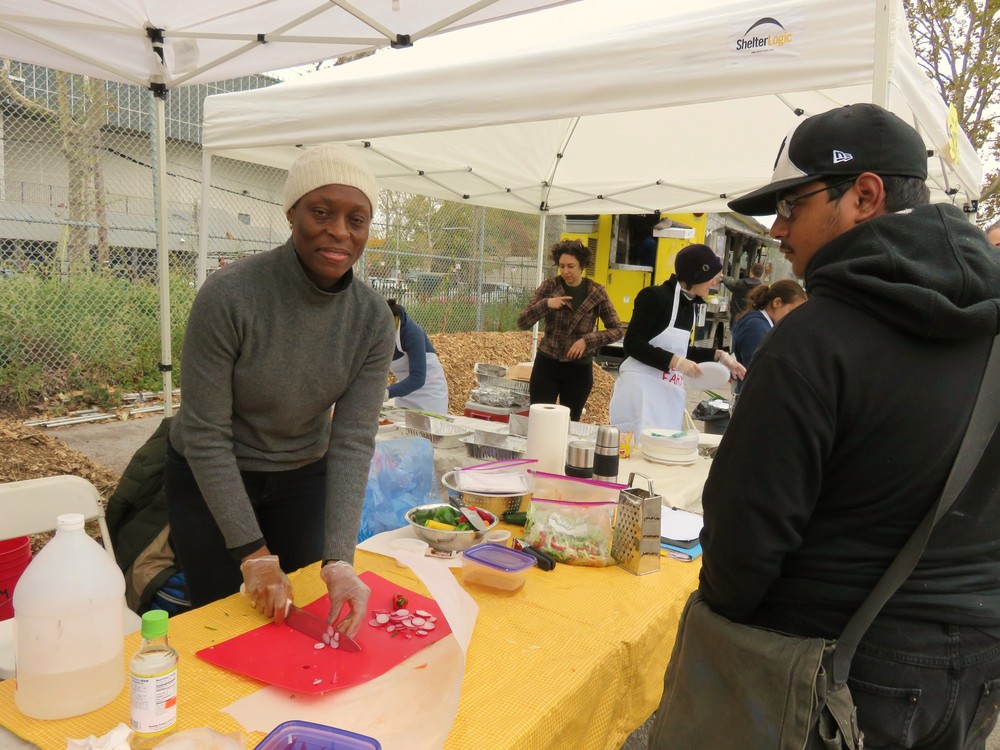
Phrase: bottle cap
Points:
(608, 437)
(154, 623)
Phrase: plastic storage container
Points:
(495, 566)
(68, 631)
(492, 413)
(304, 735)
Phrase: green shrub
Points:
(96, 333)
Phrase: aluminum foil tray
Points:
(494, 446)
(492, 381)
(441, 435)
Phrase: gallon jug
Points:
(68, 631)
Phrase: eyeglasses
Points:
(784, 207)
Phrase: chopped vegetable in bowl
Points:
(444, 528)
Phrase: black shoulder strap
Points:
(982, 425)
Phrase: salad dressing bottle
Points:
(154, 683)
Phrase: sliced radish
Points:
(382, 619)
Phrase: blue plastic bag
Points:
(401, 476)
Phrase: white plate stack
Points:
(668, 446)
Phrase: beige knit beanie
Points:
(329, 164)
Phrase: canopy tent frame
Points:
(486, 105)
(455, 123)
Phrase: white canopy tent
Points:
(602, 106)
(163, 45)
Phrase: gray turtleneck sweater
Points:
(266, 354)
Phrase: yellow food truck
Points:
(633, 251)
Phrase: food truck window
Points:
(628, 233)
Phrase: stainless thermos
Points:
(580, 459)
(606, 454)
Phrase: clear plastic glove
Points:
(687, 368)
(266, 586)
(730, 363)
(343, 585)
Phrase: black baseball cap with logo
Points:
(841, 142)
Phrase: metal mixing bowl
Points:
(495, 504)
(446, 541)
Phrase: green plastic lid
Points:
(154, 623)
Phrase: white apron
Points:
(646, 397)
(433, 395)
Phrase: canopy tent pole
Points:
(201, 272)
(880, 65)
(159, 94)
(538, 277)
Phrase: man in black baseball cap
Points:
(843, 142)
(849, 421)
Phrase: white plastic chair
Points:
(31, 507)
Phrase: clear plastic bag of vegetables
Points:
(575, 533)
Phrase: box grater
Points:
(636, 543)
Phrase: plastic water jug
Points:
(68, 631)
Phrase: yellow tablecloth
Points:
(575, 659)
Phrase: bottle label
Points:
(154, 702)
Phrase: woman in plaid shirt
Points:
(563, 368)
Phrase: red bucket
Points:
(15, 554)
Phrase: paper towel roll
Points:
(548, 433)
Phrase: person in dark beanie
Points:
(741, 289)
(849, 425)
(260, 480)
(649, 391)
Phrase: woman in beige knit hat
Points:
(260, 480)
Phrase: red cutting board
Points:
(280, 656)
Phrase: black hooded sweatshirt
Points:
(848, 424)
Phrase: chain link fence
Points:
(79, 308)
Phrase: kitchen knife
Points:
(542, 559)
(470, 515)
(317, 629)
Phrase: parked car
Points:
(428, 284)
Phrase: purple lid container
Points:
(304, 735)
(499, 558)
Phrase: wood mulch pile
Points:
(28, 453)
